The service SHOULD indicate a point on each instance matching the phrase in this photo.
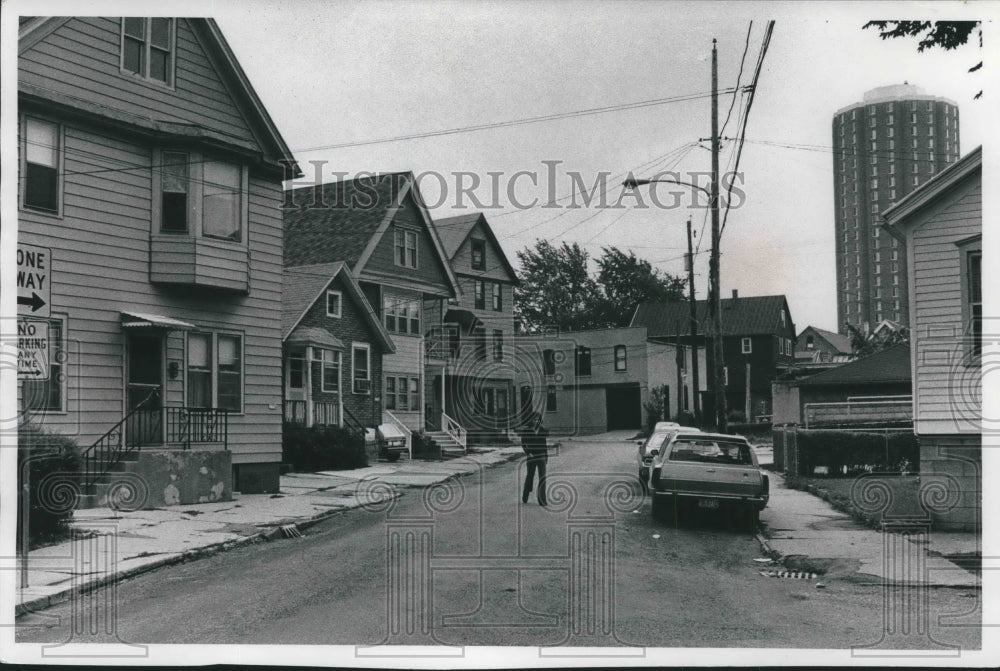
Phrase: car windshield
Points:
(712, 452)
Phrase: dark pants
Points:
(536, 461)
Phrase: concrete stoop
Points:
(447, 444)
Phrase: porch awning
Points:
(463, 318)
(139, 320)
(315, 335)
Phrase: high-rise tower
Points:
(883, 148)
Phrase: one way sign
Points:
(34, 270)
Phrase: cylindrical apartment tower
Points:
(885, 146)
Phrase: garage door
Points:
(624, 406)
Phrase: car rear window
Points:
(711, 452)
(656, 441)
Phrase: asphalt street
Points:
(466, 563)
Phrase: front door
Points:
(144, 389)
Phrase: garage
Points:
(624, 407)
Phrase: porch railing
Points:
(295, 412)
(197, 425)
(125, 437)
(326, 413)
(455, 430)
(441, 342)
(395, 421)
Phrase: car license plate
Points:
(708, 503)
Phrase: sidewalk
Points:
(112, 546)
(812, 535)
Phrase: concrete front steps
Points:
(449, 446)
(96, 496)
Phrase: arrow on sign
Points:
(34, 372)
(36, 302)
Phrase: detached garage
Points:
(623, 405)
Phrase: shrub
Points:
(424, 447)
(853, 453)
(54, 466)
(322, 448)
(654, 409)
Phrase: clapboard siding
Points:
(936, 301)
(101, 243)
(58, 63)
(496, 269)
(429, 268)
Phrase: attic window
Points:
(478, 254)
(147, 48)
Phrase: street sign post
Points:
(32, 349)
(34, 270)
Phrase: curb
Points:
(266, 533)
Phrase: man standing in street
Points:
(533, 435)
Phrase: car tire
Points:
(644, 483)
(663, 509)
(393, 456)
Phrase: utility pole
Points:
(715, 299)
(679, 362)
(696, 389)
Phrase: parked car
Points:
(649, 448)
(710, 471)
(391, 442)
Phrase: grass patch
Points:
(872, 501)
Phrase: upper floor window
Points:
(497, 297)
(401, 315)
(478, 254)
(549, 361)
(498, 344)
(480, 294)
(810, 342)
(405, 246)
(42, 152)
(746, 345)
(583, 360)
(198, 193)
(333, 303)
(148, 48)
(973, 311)
(621, 362)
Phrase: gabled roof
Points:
(889, 365)
(896, 216)
(302, 286)
(455, 230)
(349, 220)
(743, 316)
(34, 29)
(839, 342)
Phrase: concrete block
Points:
(180, 477)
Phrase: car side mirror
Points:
(654, 451)
(640, 443)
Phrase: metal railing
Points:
(395, 421)
(455, 430)
(197, 425)
(442, 342)
(125, 437)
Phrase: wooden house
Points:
(151, 178)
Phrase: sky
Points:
(334, 73)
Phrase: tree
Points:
(555, 288)
(945, 34)
(865, 342)
(626, 281)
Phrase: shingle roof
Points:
(340, 227)
(743, 316)
(889, 365)
(839, 342)
(454, 230)
(300, 287)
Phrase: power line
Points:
(515, 122)
(736, 93)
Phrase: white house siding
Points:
(936, 312)
(407, 360)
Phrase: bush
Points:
(322, 448)
(424, 447)
(654, 409)
(54, 466)
(854, 453)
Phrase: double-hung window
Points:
(746, 345)
(480, 295)
(478, 254)
(401, 315)
(361, 368)
(329, 369)
(296, 371)
(497, 296)
(333, 303)
(402, 393)
(621, 360)
(498, 344)
(583, 360)
(405, 247)
(42, 152)
(147, 48)
(215, 371)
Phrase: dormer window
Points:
(147, 48)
